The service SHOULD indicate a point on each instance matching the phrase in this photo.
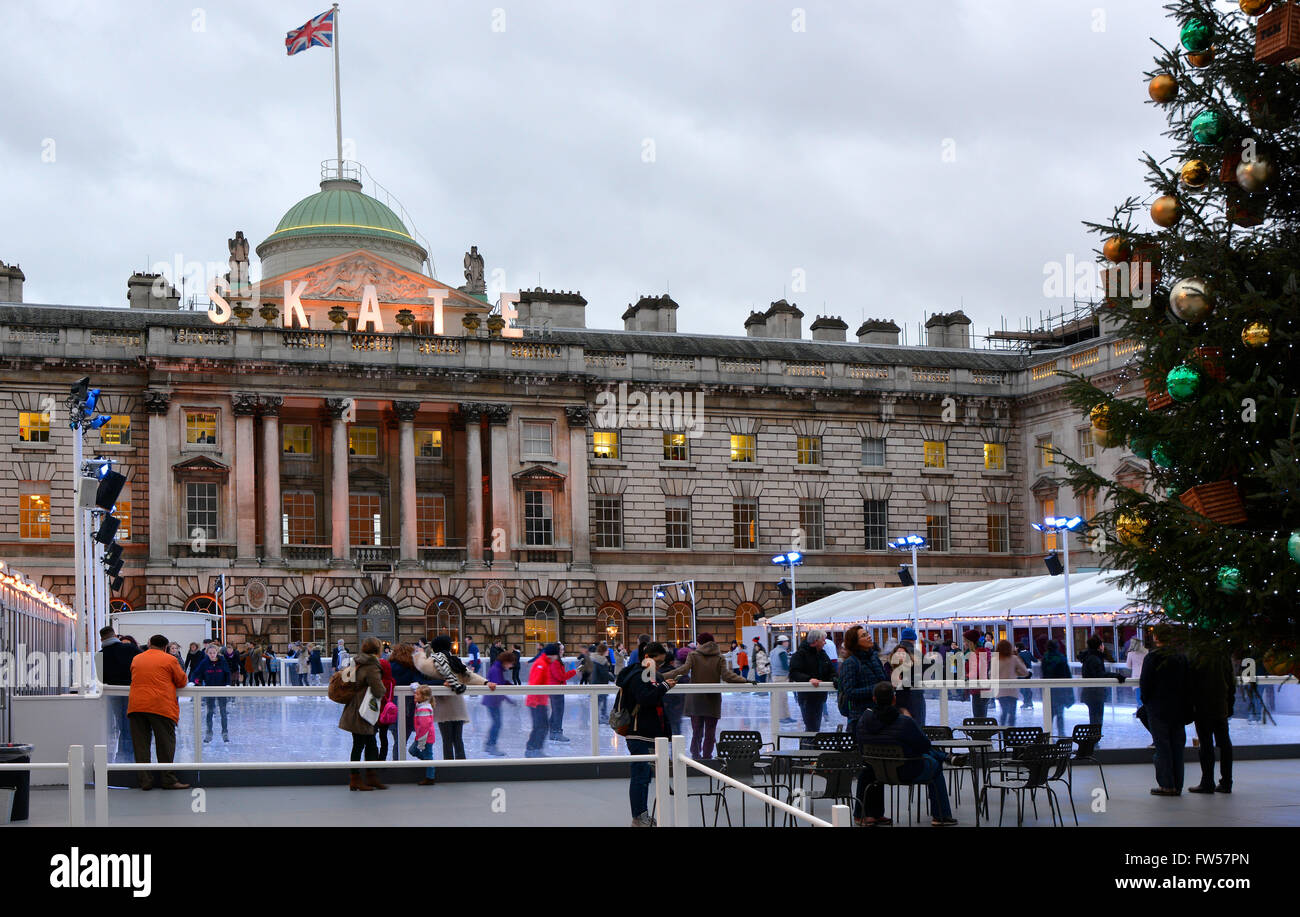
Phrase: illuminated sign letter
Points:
(219, 309)
(439, 297)
(510, 314)
(369, 314)
(293, 305)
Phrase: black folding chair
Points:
(739, 756)
(886, 763)
(834, 741)
(1061, 774)
(1027, 774)
(1018, 737)
(837, 771)
(1085, 739)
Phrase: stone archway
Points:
(377, 617)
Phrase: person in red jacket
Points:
(540, 674)
(559, 675)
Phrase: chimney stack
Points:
(784, 321)
(11, 283)
(151, 291)
(878, 331)
(651, 313)
(829, 328)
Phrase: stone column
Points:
(472, 413)
(272, 527)
(406, 411)
(157, 403)
(579, 514)
(502, 489)
(244, 406)
(339, 540)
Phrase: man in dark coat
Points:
(1165, 697)
(811, 664)
(1213, 688)
(888, 724)
(641, 693)
(116, 670)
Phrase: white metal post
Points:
(593, 722)
(794, 612)
(101, 785)
(653, 603)
(78, 527)
(198, 728)
(681, 816)
(1047, 712)
(1069, 617)
(916, 594)
(841, 816)
(76, 786)
(663, 755)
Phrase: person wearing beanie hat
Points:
(780, 661)
(906, 667)
(909, 634)
(811, 665)
(978, 662)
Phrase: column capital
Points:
(243, 403)
(270, 405)
(157, 401)
(576, 414)
(471, 412)
(337, 407)
(498, 414)
(406, 410)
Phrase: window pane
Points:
(34, 515)
(200, 428)
(1087, 445)
(123, 513)
(604, 444)
(539, 526)
(298, 516)
(1045, 453)
(537, 439)
(995, 457)
(677, 522)
(809, 450)
(428, 444)
(201, 510)
(743, 447)
(1047, 508)
(936, 454)
(875, 515)
(363, 442)
(936, 525)
(744, 523)
(812, 521)
(296, 439)
(675, 447)
(609, 522)
(365, 521)
(1088, 505)
(117, 432)
(431, 520)
(999, 531)
(33, 427)
(873, 452)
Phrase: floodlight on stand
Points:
(79, 389)
(117, 584)
(108, 530)
(92, 399)
(99, 421)
(1053, 563)
(112, 552)
(114, 568)
(783, 587)
(905, 575)
(110, 485)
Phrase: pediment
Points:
(200, 464)
(539, 474)
(344, 278)
(1045, 485)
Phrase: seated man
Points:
(888, 724)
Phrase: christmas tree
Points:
(1203, 275)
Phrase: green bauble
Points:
(1196, 34)
(1178, 604)
(1141, 446)
(1229, 578)
(1208, 127)
(1160, 454)
(1183, 383)
(1293, 546)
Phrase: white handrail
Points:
(76, 764)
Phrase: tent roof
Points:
(1091, 593)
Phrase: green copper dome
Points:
(340, 208)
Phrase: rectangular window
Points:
(1047, 508)
(675, 447)
(296, 440)
(117, 432)
(539, 521)
(936, 454)
(812, 519)
(936, 525)
(609, 522)
(431, 520)
(201, 510)
(298, 518)
(677, 522)
(1087, 445)
(999, 529)
(365, 520)
(201, 428)
(363, 442)
(873, 452)
(744, 523)
(1088, 505)
(428, 444)
(34, 516)
(123, 513)
(743, 447)
(875, 519)
(604, 444)
(809, 450)
(537, 439)
(1046, 455)
(33, 427)
(995, 457)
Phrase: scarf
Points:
(448, 676)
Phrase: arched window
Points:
(541, 623)
(308, 621)
(444, 615)
(745, 613)
(205, 604)
(118, 605)
(679, 623)
(611, 621)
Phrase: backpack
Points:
(841, 695)
(343, 685)
(620, 718)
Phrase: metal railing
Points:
(74, 766)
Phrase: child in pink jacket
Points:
(423, 737)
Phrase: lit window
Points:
(33, 427)
(1087, 445)
(539, 520)
(936, 454)
(608, 532)
(541, 623)
(428, 444)
(1047, 508)
(675, 447)
(875, 518)
(873, 452)
(537, 438)
(363, 442)
(298, 518)
(201, 428)
(812, 519)
(936, 525)
(995, 457)
(431, 520)
(1046, 452)
(677, 522)
(201, 510)
(809, 450)
(604, 444)
(34, 516)
(117, 432)
(1088, 505)
(123, 513)
(296, 439)
(999, 529)
(365, 521)
(743, 447)
(744, 523)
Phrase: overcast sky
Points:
(777, 153)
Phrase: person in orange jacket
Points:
(559, 675)
(153, 710)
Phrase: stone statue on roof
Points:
(238, 276)
(474, 272)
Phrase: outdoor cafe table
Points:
(793, 735)
(786, 759)
(982, 732)
(978, 747)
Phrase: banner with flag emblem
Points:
(316, 32)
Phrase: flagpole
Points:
(338, 104)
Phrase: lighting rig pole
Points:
(912, 543)
(1064, 526)
(791, 560)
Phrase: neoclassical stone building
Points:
(361, 448)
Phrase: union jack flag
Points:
(318, 31)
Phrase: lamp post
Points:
(791, 560)
(1064, 526)
(912, 543)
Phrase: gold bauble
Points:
(1100, 416)
(1190, 300)
(1254, 7)
(1195, 173)
(1130, 528)
(1163, 88)
(1254, 175)
(1105, 438)
(1166, 211)
(1201, 58)
(1116, 249)
(1256, 335)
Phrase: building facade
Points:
(363, 449)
